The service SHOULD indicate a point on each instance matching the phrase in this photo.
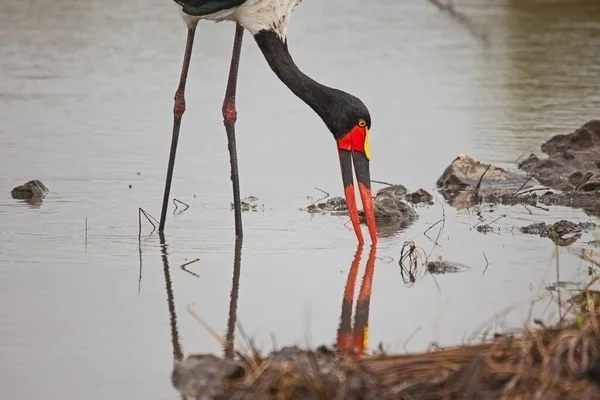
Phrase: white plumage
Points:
(253, 15)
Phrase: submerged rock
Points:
(392, 213)
(444, 267)
(334, 204)
(563, 232)
(33, 192)
(573, 162)
(248, 204)
(389, 205)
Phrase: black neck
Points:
(327, 102)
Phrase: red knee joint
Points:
(179, 107)
(229, 111)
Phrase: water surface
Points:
(85, 106)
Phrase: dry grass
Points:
(561, 362)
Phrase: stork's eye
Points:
(362, 123)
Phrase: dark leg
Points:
(229, 118)
(178, 110)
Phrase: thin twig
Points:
(435, 243)
(523, 185)
(86, 229)
(427, 230)
(322, 198)
(534, 190)
(322, 191)
(175, 201)
(489, 223)
(483, 220)
(476, 193)
(409, 338)
(184, 265)
(382, 182)
(148, 216)
(487, 263)
(211, 331)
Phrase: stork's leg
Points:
(178, 110)
(229, 118)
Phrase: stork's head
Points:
(349, 121)
(346, 116)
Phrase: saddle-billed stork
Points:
(346, 116)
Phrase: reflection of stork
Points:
(349, 339)
(235, 287)
(228, 342)
(177, 351)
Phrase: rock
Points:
(466, 172)
(33, 192)
(287, 373)
(573, 162)
(248, 204)
(389, 205)
(333, 204)
(205, 376)
(563, 232)
(392, 213)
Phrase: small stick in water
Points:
(487, 264)
(148, 216)
(322, 198)
(382, 182)
(534, 190)
(322, 191)
(475, 196)
(523, 185)
(183, 267)
(175, 201)
(427, 230)
(86, 231)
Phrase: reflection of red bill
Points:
(363, 177)
(355, 339)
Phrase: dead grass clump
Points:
(560, 362)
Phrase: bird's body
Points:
(252, 15)
(346, 116)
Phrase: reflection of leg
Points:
(177, 351)
(235, 285)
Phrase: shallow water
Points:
(85, 106)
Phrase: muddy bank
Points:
(572, 162)
(467, 181)
(569, 176)
(558, 363)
